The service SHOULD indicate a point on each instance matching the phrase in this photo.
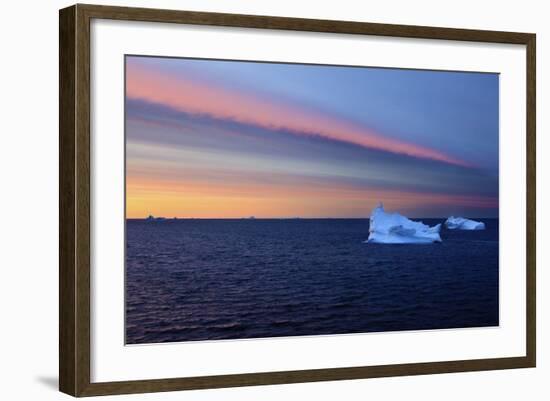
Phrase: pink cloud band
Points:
(199, 98)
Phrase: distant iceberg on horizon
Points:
(153, 218)
(393, 228)
(460, 223)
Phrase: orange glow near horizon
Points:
(196, 200)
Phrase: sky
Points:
(232, 139)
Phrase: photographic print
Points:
(279, 199)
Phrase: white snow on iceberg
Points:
(460, 223)
(393, 228)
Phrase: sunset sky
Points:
(227, 139)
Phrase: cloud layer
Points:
(202, 99)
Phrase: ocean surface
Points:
(194, 279)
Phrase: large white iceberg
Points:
(460, 223)
(393, 228)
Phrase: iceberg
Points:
(152, 218)
(460, 223)
(393, 228)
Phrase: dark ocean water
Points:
(229, 279)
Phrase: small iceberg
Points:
(152, 218)
(460, 223)
(393, 228)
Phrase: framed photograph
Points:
(250, 200)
